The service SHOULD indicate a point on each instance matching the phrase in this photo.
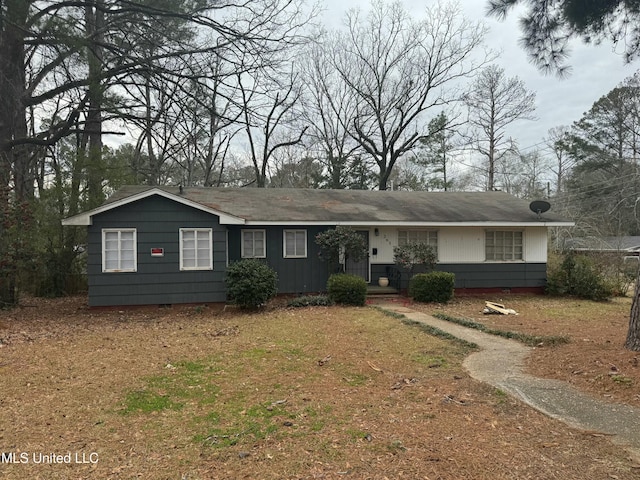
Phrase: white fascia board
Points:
(86, 218)
(415, 224)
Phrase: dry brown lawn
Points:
(197, 393)
(594, 360)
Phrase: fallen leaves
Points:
(395, 417)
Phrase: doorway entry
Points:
(361, 267)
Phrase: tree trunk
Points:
(12, 123)
(492, 163)
(93, 127)
(633, 335)
(383, 177)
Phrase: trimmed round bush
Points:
(347, 289)
(251, 283)
(432, 287)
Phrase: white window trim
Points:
(210, 265)
(264, 246)
(284, 243)
(135, 250)
(517, 260)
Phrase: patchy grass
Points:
(530, 340)
(318, 392)
(436, 332)
(592, 359)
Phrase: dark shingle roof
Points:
(613, 244)
(355, 206)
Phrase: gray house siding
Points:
(158, 213)
(158, 280)
(481, 275)
(498, 275)
(295, 275)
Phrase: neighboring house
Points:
(166, 245)
(625, 245)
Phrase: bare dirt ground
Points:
(197, 393)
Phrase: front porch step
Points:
(377, 290)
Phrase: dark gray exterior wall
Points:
(482, 275)
(158, 280)
(295, 275)
(498, 275)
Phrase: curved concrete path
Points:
(500, 362)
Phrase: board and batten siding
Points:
(158, 280)
(295, 275)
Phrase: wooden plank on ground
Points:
(498, 308)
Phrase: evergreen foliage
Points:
(432, 287)
(251, 283)
(579, 276)
(549, 25)
(347, 289)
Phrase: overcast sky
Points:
(595, 70)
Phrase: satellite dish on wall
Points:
(539, 207)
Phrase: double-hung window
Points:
(504, 245)
(253, 244)
(119, 250)
(295, 243)
(196, 249)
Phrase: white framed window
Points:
(504, 245)
(295, 243)
(254, 244)
(119, 253)
(430, 237)
(196, 251)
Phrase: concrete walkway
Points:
(500, 362)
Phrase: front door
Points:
(361, 267)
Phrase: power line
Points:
(568, 197)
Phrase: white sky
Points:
(595, 70)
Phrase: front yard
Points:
(198, 393)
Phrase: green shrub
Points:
(579, 276)
(432, 287)
(310, 301)
(347, 289)
(251, 283)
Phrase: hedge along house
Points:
(166, 245)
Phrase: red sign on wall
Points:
(157, 252)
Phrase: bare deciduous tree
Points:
(396, 68)
(559, 142)
(70, 67)
(494, 102)
(268, 122)
(329, 108)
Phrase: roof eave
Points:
(86, 218)
(375, 223)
